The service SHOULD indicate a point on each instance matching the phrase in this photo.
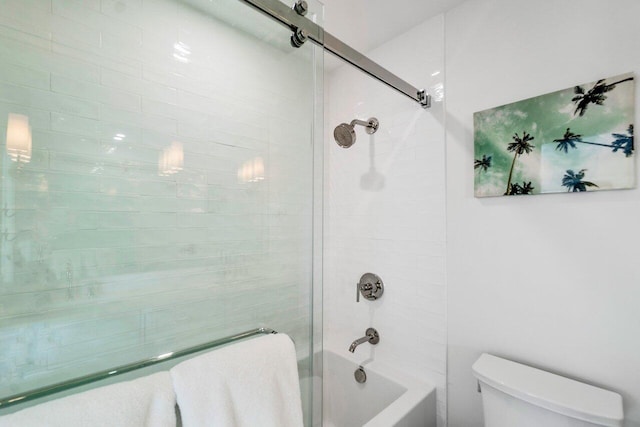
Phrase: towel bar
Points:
(26, 396)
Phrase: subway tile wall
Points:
(167, 199)
(386, 213)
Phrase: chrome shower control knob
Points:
(370, 287)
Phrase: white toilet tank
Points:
(516, 395)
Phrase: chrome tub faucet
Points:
(371, 336)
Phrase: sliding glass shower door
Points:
(159, 178)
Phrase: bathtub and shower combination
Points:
(158, 193)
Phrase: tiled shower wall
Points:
(386, 213)
(107, 255)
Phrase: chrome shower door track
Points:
(289, 17)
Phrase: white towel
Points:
(248, 384)
(148, 401)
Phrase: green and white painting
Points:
(573, 140)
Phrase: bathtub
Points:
(379, 402)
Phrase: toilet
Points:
(516, 395)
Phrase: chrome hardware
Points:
(360, 375)
(371, 336)
(370, 126)
(298, 37)
(287, 16)
(301, 7)
(345, 134)
(424, 99)
(370, 286)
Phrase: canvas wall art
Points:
(574, 140)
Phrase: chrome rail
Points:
(37, 393)
(366, 65)
(304, 29)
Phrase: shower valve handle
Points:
(370, 286)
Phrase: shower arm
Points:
(360, 122)
(371, 125)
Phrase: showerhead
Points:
(345, 134)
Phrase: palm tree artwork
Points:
(568, 140)
(520, 189)
(483, 164)
(519, 146)
(624, 142)
(573, 181)
(621, 142)
(579, 139)
(595, 95)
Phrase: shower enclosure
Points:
(160, 183)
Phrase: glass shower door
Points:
(157, 182)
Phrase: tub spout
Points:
(371, 336)
(357, 342)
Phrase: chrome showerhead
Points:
(345, 134)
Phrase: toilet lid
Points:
(553, 392)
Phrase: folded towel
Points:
(144, 402)
(249, 384)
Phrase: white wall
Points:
(547, 280)
(397, 230)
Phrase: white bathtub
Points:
(379, 402)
